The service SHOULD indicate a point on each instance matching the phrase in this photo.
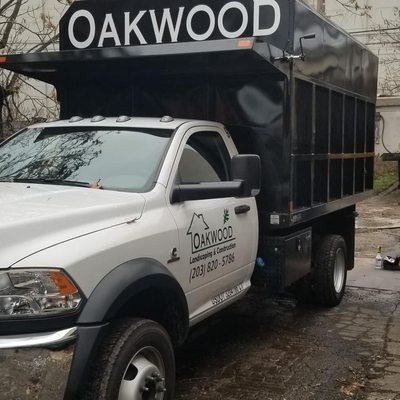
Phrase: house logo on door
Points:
(204, 238)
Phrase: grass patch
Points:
(384, 181)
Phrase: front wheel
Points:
(135, 362)
(330, 272)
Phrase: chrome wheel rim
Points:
(144, 377)
(339, 270)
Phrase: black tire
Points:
(329, 286)
(126, 357)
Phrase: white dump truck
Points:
(200, 149)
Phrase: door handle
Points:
(242, 209)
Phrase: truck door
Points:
(218, 237)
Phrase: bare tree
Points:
(352, 6)
(382, 35)
(355, 6)
(387, 36)
(25, 27)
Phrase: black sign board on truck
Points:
(98, 24)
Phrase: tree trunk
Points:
(2, 100)
(4, 93)
(321, 6)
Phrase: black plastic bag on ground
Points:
(391, 263)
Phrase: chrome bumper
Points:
(50, 339)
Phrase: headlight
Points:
(36, 293)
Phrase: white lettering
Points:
(92, 29)
(267, 31)
(132, 26)
(170, 21)
(109, 31)
(245, 18)
(210, 30)
(167, 20)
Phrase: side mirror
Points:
(246, 175)
(247, 168)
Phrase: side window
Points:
(204, 159)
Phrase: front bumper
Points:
(48, 339)
(36, 366)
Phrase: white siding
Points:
(387, 127)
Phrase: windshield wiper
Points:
(47, 181)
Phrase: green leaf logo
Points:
(226, 216)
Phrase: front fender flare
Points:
(125, 282)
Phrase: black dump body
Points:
(311, 122)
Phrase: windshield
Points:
(108, 158)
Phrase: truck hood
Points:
(35, 217)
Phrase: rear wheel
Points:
(135, 362)
(330, 272)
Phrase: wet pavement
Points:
(365, 275)
(34, 374)
(270, 349)
(267, 349)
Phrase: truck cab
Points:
(156, 215)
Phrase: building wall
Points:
(387, 138)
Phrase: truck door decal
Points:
(203, 238)
(227, 294)
(211, 248)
